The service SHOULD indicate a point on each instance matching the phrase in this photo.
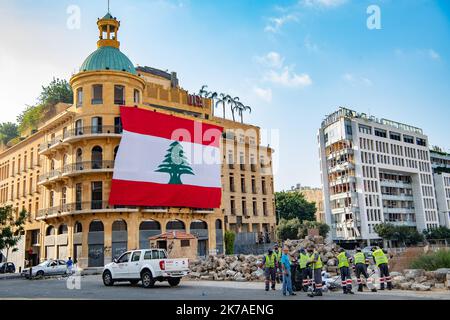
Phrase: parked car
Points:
(148, 266)
(46, 268)
(7, 267)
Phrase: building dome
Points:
(108, 58)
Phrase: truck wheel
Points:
(107, 279)
(134, 282)
(147, 279)
(174, 281)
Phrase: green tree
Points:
(175, 163)
(8, 131)
(11, 228)
(323, 228)
(438, 233)
(223, 99)
(288, 229)
(229, 242)
(402, 234)
(291, 205)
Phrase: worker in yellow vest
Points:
(315, 262)
(381, 260)
(344, 269)
(278, 254)
(361, 263)
(305, 269)
(269, 264)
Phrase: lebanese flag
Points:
(166, 161)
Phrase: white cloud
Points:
(356, 80)
(324, 3)
(288, 78)
(311, 46)
(433, 54)
(263, 94)
(272, 60)
(275, 24)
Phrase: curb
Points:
(10, 276)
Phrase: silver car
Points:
(46, 268)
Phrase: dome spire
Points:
(108, 27)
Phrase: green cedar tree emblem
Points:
(175, 163)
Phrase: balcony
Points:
(49, 177)
(340, 153)
(395, 184)
(399, 210)
(77, 134)
(341, 167)
(399, 197)
(87, 167)
(342, 180)
(81, 208)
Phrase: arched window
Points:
(78, 227)
(65, 159)
(175, 225)
(63, 195)
(218, 224)
(62, 229)
(51, 199)
(50, 231)
(119, 225)
(96, 226)
(52, 164)
(198, 224)
(79, 127)
(79, 159)
(149, 225)
(97, 157)
(97, 125)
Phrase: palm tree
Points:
(223, 99)
(203, 92)
(234, 105)
(245, 108)
(212, 96)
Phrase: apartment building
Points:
(61, 174)
(440, 162)
(374, 171)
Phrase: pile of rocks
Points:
(245, 267)
(421, 280)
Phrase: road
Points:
(91, 287)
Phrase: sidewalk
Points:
(6, 276)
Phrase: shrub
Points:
(322, 227)
(432, 261)
(288, 229)
(229, 242)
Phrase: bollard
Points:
(31, 272)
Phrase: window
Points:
(119, 95)
(124, 258)
(136, 256)
(421, 142)
(79, 97)
(162, 255)
(380, 133)
(96, 195)
(395, 136)
(408, 139)
(185, 243)
(118, 125)
(63, 195)
(137, 96)
(97, 157)
(348, 129)
(147, 255)
(51, 199)
(97, 94)
(365, 129)
(79, 127)
(155, 254)
(96, 123)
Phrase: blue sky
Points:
(293, 61)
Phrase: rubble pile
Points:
(421, 280)
(245, 267)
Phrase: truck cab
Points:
(147, 266)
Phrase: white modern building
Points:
(440, 163)
(374, 171)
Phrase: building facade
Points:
(61, 174)
(440, 162)
(374, 171)
(313, 195)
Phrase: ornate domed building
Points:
(62, 173)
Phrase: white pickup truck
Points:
(148, 266)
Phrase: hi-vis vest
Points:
(379, 257)
(318, 264)
(304, 258)
(270, 261)
(360, 258)
(343, 261)
(278, 254)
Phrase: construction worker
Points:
(278, 253)
(270, 269)
(315, 262)
(381, 261)
(361, 263)
(344, 268)
(305, 269)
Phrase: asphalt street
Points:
(91, 287)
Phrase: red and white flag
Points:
(167, 161)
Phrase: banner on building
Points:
(166, 161)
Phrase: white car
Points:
(148, 266)
(46, 268)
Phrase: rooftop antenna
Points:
(108, 7)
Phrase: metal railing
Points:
(87, 166)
